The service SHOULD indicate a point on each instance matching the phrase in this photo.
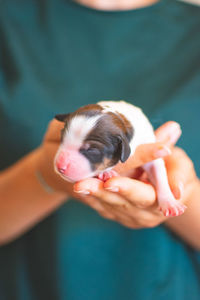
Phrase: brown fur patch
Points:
(127, 125)
(107, 132)
(122, 124)
(104, 165)
(89, 107)
(110, 131)
(87, 110)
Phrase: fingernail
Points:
(171, 134)
(163, 151)
(84, 192)
(114, 189)
(174, 133)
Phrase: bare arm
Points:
(187, 226)
(23, 200)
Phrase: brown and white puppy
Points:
(97, 136)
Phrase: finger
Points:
(127, 214)
(107, 215)
(136, 192)
(129, 224)
(92, 202)
(97, 206)
(121, 215)
(124, 220)
(143, 154)
(168, 133)
(180, 171)
(94, 187)
(53, 133)
(134, 217)
(85, 186)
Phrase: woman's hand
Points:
(132, 202)
(143, 154)
(127, 199)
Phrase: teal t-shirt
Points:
(57, 55)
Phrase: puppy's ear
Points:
(125, 149)
(61, 117)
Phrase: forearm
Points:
(23, 200)
(187, 226)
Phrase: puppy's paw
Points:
(171, 208)
(104, 176)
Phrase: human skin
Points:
(133, 206)
(19, 183)
(133, 201)
(116, 4)
(181, 174)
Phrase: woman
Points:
(57, 56)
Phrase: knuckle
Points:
(145, 203)
(133, 226)
(146, 220)
(190, 164)
(152, 224)
(130, 225)
(106, 215)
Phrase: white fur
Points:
(143, 133)
(78, 129)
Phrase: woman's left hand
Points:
(131, 201)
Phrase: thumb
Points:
(181, 173)
(53, 132)
(168, 133)
(143, 154)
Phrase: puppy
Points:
(97, 136)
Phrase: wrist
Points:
(43, 183)
(47, 177)
(26, 202)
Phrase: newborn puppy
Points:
(97, 136)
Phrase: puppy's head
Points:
(91, 142)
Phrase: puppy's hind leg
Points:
(157, 174)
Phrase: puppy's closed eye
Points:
(94, 151)
(93, 154)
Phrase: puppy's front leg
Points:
(106, 175)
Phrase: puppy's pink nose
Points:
(72, 165)
(61, 164)
(62, 169)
